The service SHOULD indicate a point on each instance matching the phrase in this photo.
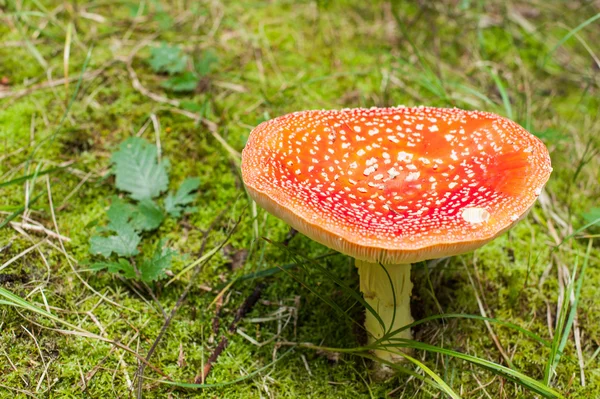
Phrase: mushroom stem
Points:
(377, 291)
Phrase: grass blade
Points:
(570, 34)
(19, 211)
(441, 383)
(22, 179)
(224, 384)
(527, 333)
(520, 378)
(347, 289)
(503, 93)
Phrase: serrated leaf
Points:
(168, 59)
(185, 82)
(119, 211)
(154, 269)
(147, 216)
(144, 216)
(123, 243)
(138, 171)
(122, 267)
(185, 195)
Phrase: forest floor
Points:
(192, 79)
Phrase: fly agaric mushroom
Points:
(395, 186)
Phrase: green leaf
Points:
(138, 171)
(122, 267)
(205, 62)
(168, 59)
(123, 243)
(593, 215)
(186, 82)
(119, 211)
(154, 269)
(147, 216)
(185, 195)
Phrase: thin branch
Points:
(142, 368)
(239, 315)
(40, 229)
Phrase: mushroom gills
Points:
(390, 299)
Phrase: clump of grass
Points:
(89, 69)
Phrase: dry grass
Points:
(75, 81)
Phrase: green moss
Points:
(276, 58)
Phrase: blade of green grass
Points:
(393, 297)
(522, 379)
(441, 383)
(56, 131)
(570, 34)
(16, 213)
(271, 271)
(329, 302)
(22, 179)
(503, 93)
(347, 289)
(567, 314)
(224, 384)
(527, 333)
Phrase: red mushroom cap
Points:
(396, 185)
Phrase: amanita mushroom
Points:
(395, 186)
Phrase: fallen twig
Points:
(142, 367)
(91, 75)
(40, 229)
(239, 315)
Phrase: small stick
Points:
(291, 234)
(215, 322)
(239, 315)
(141, 369)
(40, 229)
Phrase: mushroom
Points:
(395, 186)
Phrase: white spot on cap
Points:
(393, 172)
(413, 176)
(475, 215)
(370, 170)
(404, 156)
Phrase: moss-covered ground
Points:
(76, 80)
